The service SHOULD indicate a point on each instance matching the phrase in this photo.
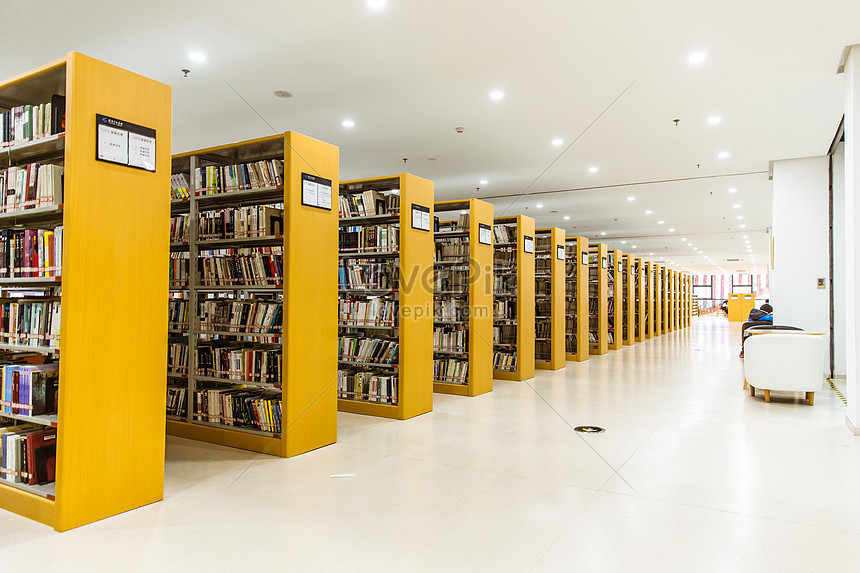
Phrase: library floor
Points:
(691, 475)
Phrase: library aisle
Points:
(691, 475)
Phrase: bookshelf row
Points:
(290, 295)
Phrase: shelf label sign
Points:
(584, 258)
(559, 252)
(485, 234)
(528, 244)
(125, 143)
(604, 262)
(420, 217)
(316, 191)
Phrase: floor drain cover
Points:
(589, 429)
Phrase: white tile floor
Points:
(691, 475)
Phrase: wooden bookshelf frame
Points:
(658, 299)
(628, 294)
(309, 374)
(576, 289)
(648, 274)
(525, 348)
(415, 315)
(598, 265)
(665, 277)
(557, 293)
(480, 356)
(103, 473)
(639, 296)
(613, 292)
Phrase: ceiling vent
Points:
(733, 260)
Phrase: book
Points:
(41, 456)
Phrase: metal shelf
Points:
(47, 490)
(228, 333)
(443, 234)
(450, 352)
(218, 288)
(367, 291)
(237, 429)
(31, 281)
(370, 364)
(44, 420)
(368, 220)
(259, 196)
(50, 147)
(240, 242)
(217, 380)
(34, 349)
(369, 255)
(52, 213)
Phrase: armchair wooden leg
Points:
(767, 396)
(810, 397)
(752, 390)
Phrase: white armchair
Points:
(784, 362)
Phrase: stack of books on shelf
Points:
(543, 304)
(25, 123)
(31, 186)
(505, 298)
(215, 179)
(571, 267)
(369, 344)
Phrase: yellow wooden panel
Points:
(416, 300)
(649, 299)
(658, 300)
(618, 337)
(110, 454)
(598, 250)
(628, 293)
(639, 281)
(525, 300)
(740, 305)
(28, 505)
(309, 400)
(371, 409)
(557, 302)
(480, 301)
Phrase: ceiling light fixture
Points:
(376, 4)
(633, 246)
(623, 242)
(733, 190)
(602, 233)
(671, 230)
(197, 57)
(723, 155)
(660, 222)
(557, 141)
(539, 205)
(648, 212)
(684, 239)
(736, 206)
(567, 217)
(740, 217)
(593, 169)
(697, 57)
(743, 226)
(497, 95)
(631, 198)
(714, 120)
(348, 123)
(483, 181)
(283, 94)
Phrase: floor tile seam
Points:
(733, 512)
(564, 529)
(580, 436)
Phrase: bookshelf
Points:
(665, 278)
(598, 267)
(648, 276)
(514, 298)
(658, 299)
(614, 316)
(628, 298)
(400, 387)
(109, 449)
(549, 299)
(463, 297)
(639, 298)
(676, 300)
(263, 384)
(576, 298)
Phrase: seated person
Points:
(763, 314)
(758, 317)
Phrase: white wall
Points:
(801, 244)
(839, 310)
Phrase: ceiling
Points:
(608, 78)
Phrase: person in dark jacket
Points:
(763, 314)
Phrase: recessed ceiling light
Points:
(593, 169)
(648, 212)
(283, 94)
(736, 206)
(650, 254)
(714, 120)
(671, 230)
(633, 246)
(197, 56)
(745, 236)
(376, 4)
(660, 222)
(567, 217)
(684, 239)
(723, 155)
(623, 242)
(557, 141)
(739, 217)
(539, 205)
(603, 233)
(497, 95)
(733, 190)
(631, 198)
(483, 181)
(348, 123)
(697, 57)
(743, 226)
